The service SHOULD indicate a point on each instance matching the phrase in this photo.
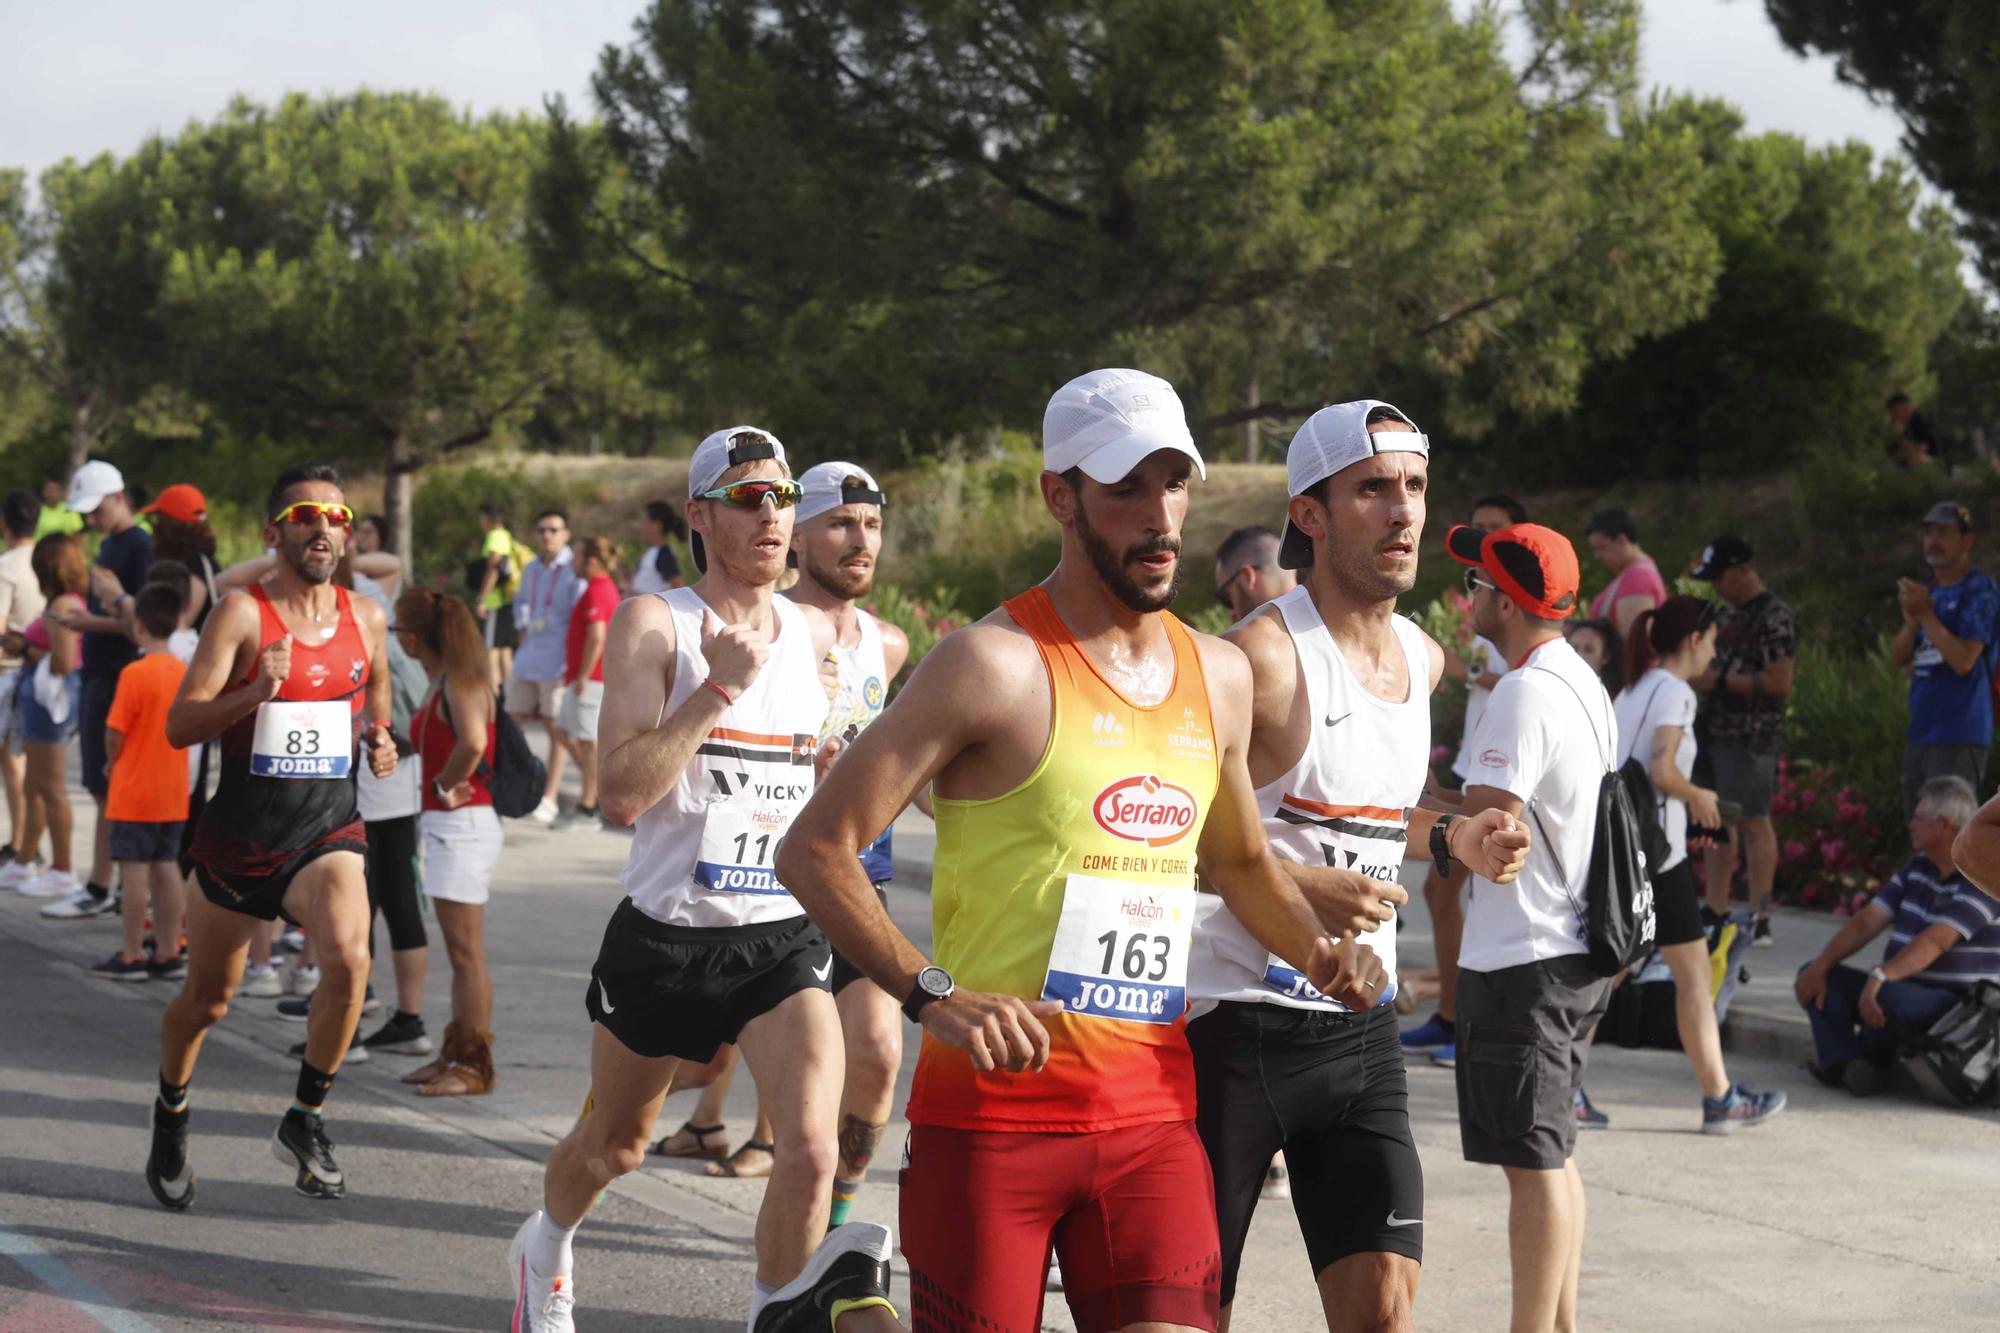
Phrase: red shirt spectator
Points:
(600, 597)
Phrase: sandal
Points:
(468, 1080)
(466, 1060)
(699, 1147)
(426, 1073)
(734, 1169)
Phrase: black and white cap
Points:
(725, 449)
(826, 487)
(1334, 438)
(714, 456)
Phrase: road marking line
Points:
(65, 1282)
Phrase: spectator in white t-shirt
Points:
(659, 568)
(21, 601)
(1479, 671)
(1669, 647)
(1528, 994)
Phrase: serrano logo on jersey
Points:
(1145, 809)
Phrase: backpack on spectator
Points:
(517, 776)
(1957, 1062)
(1619, 926)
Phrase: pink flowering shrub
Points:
(1834, 847)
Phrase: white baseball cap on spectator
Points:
(715, 455)
(1107, 421)
(92, 482)
(826, 488)
(1332, 439)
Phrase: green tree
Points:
(907, 221)
(353, 271)
(77, 288)
(1835, 285)
(1937, 62)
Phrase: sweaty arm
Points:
(1343, 901)
(1977, 849)
(641, 749)
(201, 711)
(1238, 860)
(969, 689)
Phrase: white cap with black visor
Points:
(714, 456)
(828, 486)
(1332, 439)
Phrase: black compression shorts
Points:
(1329, 1089)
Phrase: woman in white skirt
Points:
(459, 832)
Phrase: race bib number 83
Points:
(1121, 950)
(312, 739)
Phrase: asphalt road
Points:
(1838, 1215)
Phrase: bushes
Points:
(925, 619)
(446, 520)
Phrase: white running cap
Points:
(1334, 438)
(1105, 422)
(826, 488)
(724, 450)
(92, 482)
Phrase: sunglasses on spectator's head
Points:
(311, 511)
(780, 491)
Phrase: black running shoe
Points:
(401, 1035)
(851, 1264)
(301, 1141)
(167, 1172)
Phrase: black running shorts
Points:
(1523, 1033)
(1677, 906)
(1329, 1089)
(845, 974)
(683, 991)
(263, 896)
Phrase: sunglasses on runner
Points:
(780, 491)
(307, 511)
(1473, 583)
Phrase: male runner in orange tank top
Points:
(1064, 680)
(292, 676)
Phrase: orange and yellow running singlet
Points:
(1078, 886)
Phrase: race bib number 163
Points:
(1121, 950)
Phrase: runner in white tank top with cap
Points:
(712, 707)
(1340, 751)
(837, 541)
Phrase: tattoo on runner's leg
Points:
(858, 1140)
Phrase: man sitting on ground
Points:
(1944, 939)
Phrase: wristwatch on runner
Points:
(1441, 843)
(933, 983)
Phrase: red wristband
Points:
(719, 690)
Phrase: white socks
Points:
(759, 1294)
(549, 1247)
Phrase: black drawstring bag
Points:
(1619, 925)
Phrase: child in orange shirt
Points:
(148, 800)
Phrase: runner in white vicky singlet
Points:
(1345, 804)
(702, 856)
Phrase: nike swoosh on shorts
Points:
(603, 997)
(1396, 1221)
(825, 970)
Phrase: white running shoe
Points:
(1054, 1282)
(545, 813)
(80, 905)
(541, 1304)
(261, 983)
(303, 981)
(18, 875)
(1277, 1181)
(47, 883)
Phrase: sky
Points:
(84, 76)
